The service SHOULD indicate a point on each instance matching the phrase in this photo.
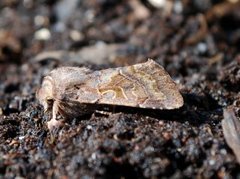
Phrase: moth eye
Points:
(49, 100)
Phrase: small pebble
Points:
(178, 7)
(42, 34)
(89, 127)
(39, 20)
(94, 156)
(21, 137)
(75, 35)
(202, 47)
(157, 3)
(1, 111)
(212, 162)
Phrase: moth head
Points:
(45, 93)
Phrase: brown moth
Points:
(70, 90)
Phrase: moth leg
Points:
(103, 112)
(54, 123)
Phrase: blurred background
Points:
(188, 33)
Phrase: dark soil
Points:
(196, 45)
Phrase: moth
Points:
(69, 91)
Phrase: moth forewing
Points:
(144, 85)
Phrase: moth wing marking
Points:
(145, 85)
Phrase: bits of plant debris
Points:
(231, 131)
